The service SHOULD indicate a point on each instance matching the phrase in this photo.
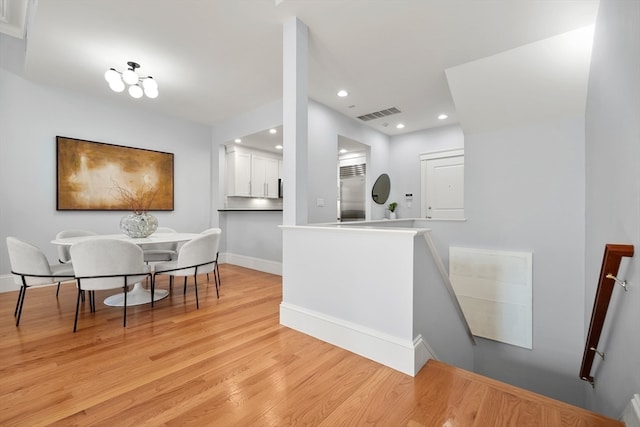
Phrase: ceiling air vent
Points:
(379, 114)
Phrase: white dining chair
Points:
(107, 264)
(30, 267)
(197, 256)
(160, 252)
(64, 256)
(216, 272)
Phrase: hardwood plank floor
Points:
(230, 363)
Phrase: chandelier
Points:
(138, 85)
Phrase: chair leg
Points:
(75, 322)
(22, 289)
(217, 272)
(124, 322)
(195, 284)
(58, 290)
(217, 290)
(153, 279)
(21, 303)
(217, 279)
(185, 285)
(92, 307)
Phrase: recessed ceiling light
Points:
(343, 150)
(442, 116)
(279, 147)
(272, 131)
(342, 93)
(237, 140)
(400, 126)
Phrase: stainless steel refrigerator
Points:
(352, 192)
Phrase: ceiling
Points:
(271, 140)
(216, 59)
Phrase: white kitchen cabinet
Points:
(264, 176)
(271, 177)
(238, 174)
(251, 174)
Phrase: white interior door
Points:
(443, 185)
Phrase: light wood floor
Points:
(230, 363)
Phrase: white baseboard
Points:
(631, 415)
(264, 265)
(7, 284)
(423, 352)
(405, 356)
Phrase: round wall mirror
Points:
(380, 191)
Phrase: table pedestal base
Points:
(136, 296)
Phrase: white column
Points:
(295, 122)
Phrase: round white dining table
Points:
(138, 294)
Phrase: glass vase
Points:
(139, 224)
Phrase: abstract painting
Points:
(99, 176)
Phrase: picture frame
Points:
(96, 176)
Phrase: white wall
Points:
(612, 197)
(524, 191)
(405, 163)
(253, 239)
(325, 125)
(32, 115)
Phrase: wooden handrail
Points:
(610, 264)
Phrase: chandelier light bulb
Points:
(116, 85)
(111, 75)
(135, 91)
(130, 77)
(149, 84)
(151, 93)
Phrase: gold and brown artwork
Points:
(99, 176)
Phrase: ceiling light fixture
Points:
(138, 85)
(342, 93)
(442, 116)
(343, 150)
(237, 141)
(400, 126)
(273, 131)
(279, 147)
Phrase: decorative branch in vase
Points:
(140, 223)
(139, 200)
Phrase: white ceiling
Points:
(216, 59)
(267, 141)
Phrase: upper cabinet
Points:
(264, 176)
(251, 173)
(238, 173)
